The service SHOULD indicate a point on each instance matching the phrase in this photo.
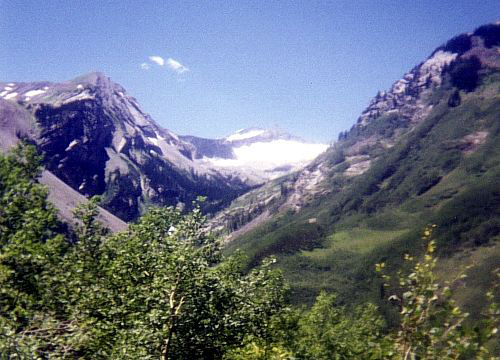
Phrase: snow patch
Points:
(3, 93)
(32, 93)
(45, 88)
(173, 135)
(10, 96)
(8, 88)
(153, 140)
(72, 145)
(245, 135)
(82, 96)
(122, 143)
(79, 87)
(11, 84)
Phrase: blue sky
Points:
(309, 67)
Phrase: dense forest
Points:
(163, 289)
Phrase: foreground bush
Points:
(161, 289)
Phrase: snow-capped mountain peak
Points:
(253, 134)
(258, 153)
(244, 134)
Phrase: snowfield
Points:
(266, 156)
(32, 93)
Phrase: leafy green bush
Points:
(432, 324)
(161, 289)
(490, 34)
(464, 73)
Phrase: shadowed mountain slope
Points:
(96, 139)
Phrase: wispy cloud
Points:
(157, 60)
(172, 64)
(176, 66)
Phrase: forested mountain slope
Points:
(426, 151)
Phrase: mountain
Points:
(16, 123)
(254, 153)
(424, 152)
(96, 139)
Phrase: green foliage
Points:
(254, 351)
(329, 331)
(29, 246)
(432, 324)
(161, 289)
(24, 210)
(471, 217)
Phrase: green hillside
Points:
(443, 170)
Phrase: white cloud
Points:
(157, 60)
(145, 66)
(176, 66)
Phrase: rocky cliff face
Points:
(96, 139)
(17, 123)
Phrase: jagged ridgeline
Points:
(425, 151)
(96, 139)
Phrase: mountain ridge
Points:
(393, 113)
(425, 151)
(97, 139)
(261, 153)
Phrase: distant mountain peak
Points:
(93, 78)
(256, 134)
(260, 153)
(245, 134)
(97, 140)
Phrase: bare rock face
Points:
(17, 123)
(97, 140)
(73, 138)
